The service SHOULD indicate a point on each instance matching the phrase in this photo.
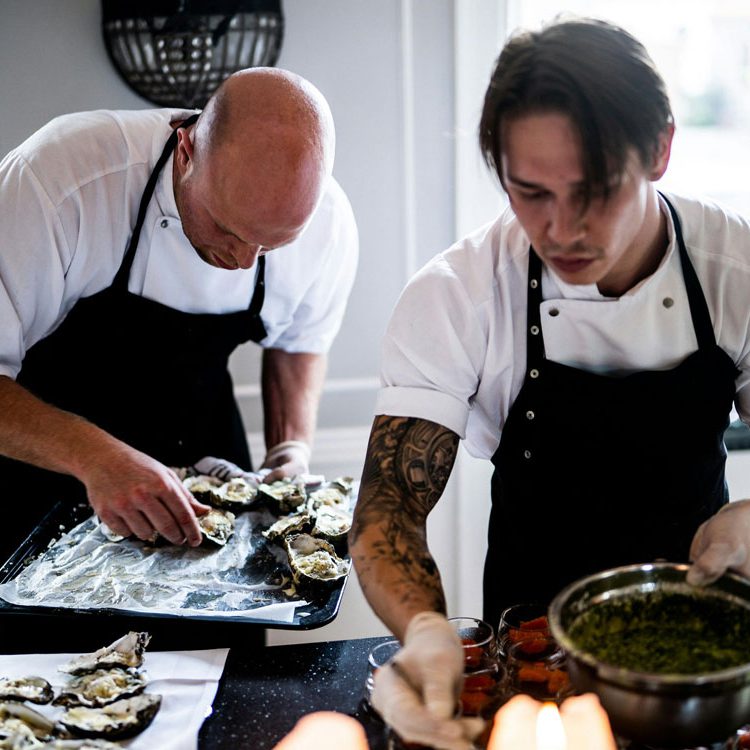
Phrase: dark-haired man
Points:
(559, 341)
(140, 248)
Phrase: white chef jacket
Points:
(454, 351)
(69, 197)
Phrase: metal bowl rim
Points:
(630, 677)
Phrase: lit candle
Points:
(581, 724)
(325, 729)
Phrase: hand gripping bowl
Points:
(657, 709)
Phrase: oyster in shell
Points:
(32, 689)
(284, 495)
(124, 718)
(237, 494)
(328, 497)
(24, 725)
(314, 561)
(124, 652)
(345, 484)
(97, 689)
(332, 523)
(217, 526)
(203, 488)
(294, 523)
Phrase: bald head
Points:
(258, 158)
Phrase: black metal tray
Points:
(18, 621)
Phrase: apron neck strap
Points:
(123, 274)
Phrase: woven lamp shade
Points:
(175, 53)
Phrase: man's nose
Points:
(566, 224)
(245, 255)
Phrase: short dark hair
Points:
(598, 75)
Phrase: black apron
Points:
(595, 471)
(152, 376)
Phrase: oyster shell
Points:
(32, 689)
(332, 523)
(331, 497)
(237, 494)
(345, 484)
(217, 526)
(284, 495)
(314, 561)
(97, 689)
(294, 523)
(203, 488)
(119, 720)
(24, 725)
(124, 652)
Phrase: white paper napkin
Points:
(186, 680)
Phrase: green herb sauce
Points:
(665, 633)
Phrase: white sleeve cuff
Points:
(424, 403)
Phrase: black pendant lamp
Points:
(175, 53)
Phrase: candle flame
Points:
(550, 734)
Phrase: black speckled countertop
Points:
(264, 692)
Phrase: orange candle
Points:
(581, 724)
(325, 729)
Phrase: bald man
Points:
(139, 249)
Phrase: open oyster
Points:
(284, 495)
(85, 744)
(237, 494)
(119, 720)
(330, 497)
(345, 484)
(124, 652)
(32, 689)
(24, 726)
(314, 561)
(217, 526)
(332, 523)
(101, 687)
(294, 523)
(202, 487)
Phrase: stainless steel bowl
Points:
(661, 710)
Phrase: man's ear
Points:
(184, 150)
(661, 153)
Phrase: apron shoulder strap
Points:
(704, 330)
(123, 274)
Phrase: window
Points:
(702, 49)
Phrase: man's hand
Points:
(135, 494)
(417, 693)
(287, 459)
(720, 544)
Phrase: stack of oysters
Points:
(103, 700)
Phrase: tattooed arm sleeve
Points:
(406, 469)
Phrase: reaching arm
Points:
(129, 491)
(406, 469)
(292, 383)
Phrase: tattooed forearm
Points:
(407, 467)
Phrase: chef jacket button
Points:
(164, 223)
(533, 283)
(180, 443)
(534, 330)
(554, 312)
(667, 302)
(534, 373)
(530, 414)
(527, 454)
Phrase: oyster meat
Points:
(236, 494)
(119, 720)
(284, 495)
(294, 523)
(314, 561)
(32, 689)
(22, 724)
(203, 488)
(217, 526)
(332, 523)
(124, 652)
(97, 689)
(330, 497)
